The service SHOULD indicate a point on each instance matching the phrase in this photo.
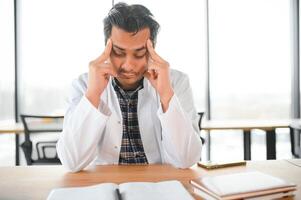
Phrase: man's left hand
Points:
(158, 74)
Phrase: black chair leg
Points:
(27, 149)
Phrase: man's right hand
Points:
(100, 71)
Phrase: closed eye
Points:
(117, 53)
(140, 56)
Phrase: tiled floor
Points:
(226, 145)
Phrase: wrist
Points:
(165, 99)
(93, 98)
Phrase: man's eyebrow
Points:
(141, 48)
(118, 47)
(122, 49)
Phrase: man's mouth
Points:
(127, 75)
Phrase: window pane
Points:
(250, 69)
(250, 58)
(7, 68)
(58, 40)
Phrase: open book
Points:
(250, 185)
(165, 190)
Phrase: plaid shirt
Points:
(131, 151)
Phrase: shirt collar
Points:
(126, 93)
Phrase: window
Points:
(250, 59)
(7, 70)
(58, 40)
(7, 65)
(250, 69)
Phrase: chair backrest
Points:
(201, 114)
(34, 124)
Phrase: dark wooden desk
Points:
(35, 182)
(269, 126)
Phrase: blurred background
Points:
(237, 53)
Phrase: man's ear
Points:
(107, 39)
(147, 54)
(153, 43)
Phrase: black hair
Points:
(130, 18)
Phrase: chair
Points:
(35, 125)
(201, 114)
(295, 132)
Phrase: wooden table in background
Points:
(13, 128)
(18, 128)
(35, 182)
(269, 126)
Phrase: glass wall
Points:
(250, 59)
(58, 39)
(7, 65)
(250, 67)
(7, 70)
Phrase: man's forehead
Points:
(129, 41)
(131, 48)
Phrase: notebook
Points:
(242, 185)
(165, 190)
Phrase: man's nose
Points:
(128, 64)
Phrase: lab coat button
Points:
(115, 147)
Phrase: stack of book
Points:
(245, 185)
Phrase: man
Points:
(131, 108)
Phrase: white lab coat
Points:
(93, 136)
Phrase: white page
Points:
(165, 190)
(242, 182)
(101, 191)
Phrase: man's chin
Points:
(129, 82)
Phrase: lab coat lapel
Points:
(149, 124)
